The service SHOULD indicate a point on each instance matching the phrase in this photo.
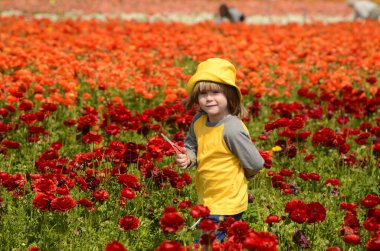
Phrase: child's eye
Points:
(203, 93)
(216, 92)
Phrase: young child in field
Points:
(218, 143)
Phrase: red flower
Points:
(352, 239)
(316, 212)
(128, 193)
(87, 203)
(112, 129)
(185, 204)
(44, 186)
(373, 244)
(28, 118)
(170, 209)
(129, 222)
(309, 157)
(294, 204)
(48, 107)
(351, 220)
(101, 195)
(314, 176)
(10, 144)
(207, 225)
(171, 222)
(170, 246)
(272, 219)
(62, 204)
(199, 211)
(303, 176)
(298, 215)
(128, 180)
(42, 201)
(262, 241)
(371, 224)
(370, 200)
(238, 231)
(332, 181)
(92, 137)
(349, 206)
(371, 80)
(333, 249)
(69, 122)
(34, 249)
(114, 246)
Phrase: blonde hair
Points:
(235, 106)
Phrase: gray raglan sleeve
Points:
(191, 143)
(239, 142)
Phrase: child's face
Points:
(214, 103)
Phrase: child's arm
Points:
(189, 159)
(239, 142)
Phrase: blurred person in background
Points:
(365, 9)
(231, 14)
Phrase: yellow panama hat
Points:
(216, 70)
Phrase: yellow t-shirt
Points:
(225, 155)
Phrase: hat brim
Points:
(206, 76)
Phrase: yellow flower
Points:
(276, 149)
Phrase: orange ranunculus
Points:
(117, 100)
(86, 95)
(39, 97)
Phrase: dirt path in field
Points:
(182, 10)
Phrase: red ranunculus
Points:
(44, 185)
(92, 137)
(128, 180)
(62, 204)
(199, 211)
(373, 244)
(87, 203)
(185, 204)
(333, 249)
(272, 219)
(42, 201)
(371, 224)
(170, 246)
(112, 129)
(298, 215)
(316, 212)
(171, 222)
(262, 241)
(207, 225)
(294, 204)
(352, 239)
(238, 231)
(114, 246)
(128, 193)
(34, 249)
(370, 201)
(101, 195)
(10, 144)
(129, 222)
(333, 182)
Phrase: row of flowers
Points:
(309, 90)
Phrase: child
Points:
(218, 142)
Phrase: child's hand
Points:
(183, 160)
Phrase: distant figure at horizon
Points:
(365, 9)
(232, 14)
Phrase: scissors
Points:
(177, 149)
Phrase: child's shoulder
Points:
(234, 124)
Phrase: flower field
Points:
(83, 165)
